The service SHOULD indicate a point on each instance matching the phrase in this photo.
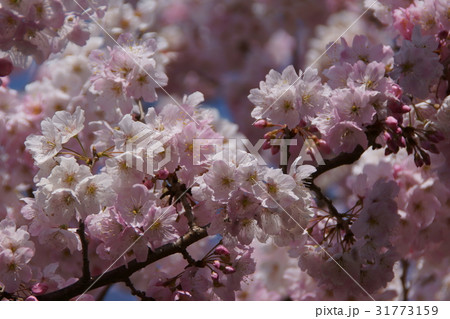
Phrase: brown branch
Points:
(121, 273)
(372, 132)
(136, 292)
(403, 279)
(288, 134)
(103, 293)
(85, 249)
(188, 210)
(321, 197)
(342, 159)
(188, 257)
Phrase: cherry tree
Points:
(326, 179)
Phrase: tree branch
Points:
(372, 132)
(341, 159)
(84, 245)
(321, 197)
(403, 279)
(103, 293)
(188, 211)
(121, 273)
(136, 292)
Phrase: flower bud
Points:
(405, 108)
(228, 270)
(391, 122)
(148, 183)
(162, 174)
(426, 158)
(39, 288)
(31, 298)
(275, 149)
(216, 264)
(418, 160)
(266, 145)
(396, 90)
(214, 275)
(222, 250)
(260, 123)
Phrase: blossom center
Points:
(272, 188)
(226, 181)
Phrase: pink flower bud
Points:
(321, 143)
(216, 264)
(260, 124)
(303, 124)
(162, 174)
(426, 158)
(39, 288)
(31, 298)
(221, 250)
(275, 149)
(387, 136)
(393, 146)
(418, 160)
(148, 183)
(266, 145)
(228, 270)
(391, 122)
(405, 108)
(395, 106)
(396, 90)
(214, 275)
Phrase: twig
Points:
(372, 133)
(84, 245)
(404, 279)
(188, 211)
(321, 197)
(136, 292)
(288, 134)
(188, 257)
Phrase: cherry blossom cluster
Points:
(39, 28)
(360, 98)
(131, 70)
(103, 180)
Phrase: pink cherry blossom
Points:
(103, 105)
